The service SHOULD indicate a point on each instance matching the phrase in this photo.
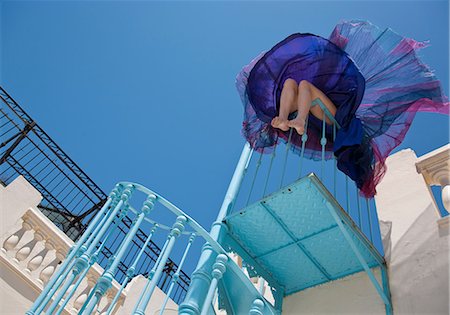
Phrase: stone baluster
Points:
(38, 259)
(11, 242)
(68, 290)
(82, 297)
(105, 302)
(49, 270)
(26, 249)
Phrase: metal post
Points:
(177, 229)
(177, 274)
(150, 274)
(83, 261)
(92, 261)
(288, 145)
(131, 270)
(323, 143)
(105, 281)
(302, 152)
(257, 307)
(219, 269)
(387, 291)
(201, 277)
(358, 255)
(370, 219)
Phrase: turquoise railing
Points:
(268, 172)
(83, 255)
(257, 176)
(264, 173)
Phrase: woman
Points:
(371, 80)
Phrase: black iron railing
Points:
(70, 197)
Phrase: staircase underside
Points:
(294, 237)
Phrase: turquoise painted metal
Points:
(302, 152)
(302, 236)
(105, 281)
(177, 229)
(56, 280)
(131, 271)
(295, 238)
(219, 269)
(81, 277)
(177, 274)
(201, 277)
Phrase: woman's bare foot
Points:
(279, 123)
(298, 124)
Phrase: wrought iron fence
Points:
(70, 196)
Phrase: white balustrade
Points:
(35, 247)
(435, 168)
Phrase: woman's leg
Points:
(288, 104)
(306, 94)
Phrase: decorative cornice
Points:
(435, 166)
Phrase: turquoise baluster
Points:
(347, 194)
(243, 176)
(150, 274)
(201, 277)
(105, 281)
(288, 145)
(57, 285)
(68, 263)
(302, 152)
(323, 143)
(83, 261)
(177, 229)
(335, 165)
(177, 274)
(93, 260)
(219, 269)
(258, 165)
(257, 307)
(131, 270)
(370, 220)
(272, 158)
(359, 209)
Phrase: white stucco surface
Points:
(134, 289)
(354, 294)
(15, 199)
(419, 257)
(17, 295)
(17, 290)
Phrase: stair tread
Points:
(293, 236)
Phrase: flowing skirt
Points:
(374, 78)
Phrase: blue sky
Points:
(144, 91)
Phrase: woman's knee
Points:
(304, 85)
(290, 84)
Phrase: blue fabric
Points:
(353, 151)
(371, 74)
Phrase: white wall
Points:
(17, 292)
(419, 261)
(416, 242)
(134, 289)
(354, 294)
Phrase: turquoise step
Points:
(237, 293)
(292, 237)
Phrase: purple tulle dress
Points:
(374, 78)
